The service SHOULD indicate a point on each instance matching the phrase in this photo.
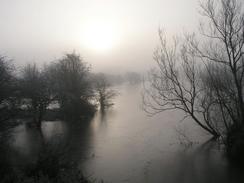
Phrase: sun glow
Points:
(99, 35)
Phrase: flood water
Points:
(126, 145)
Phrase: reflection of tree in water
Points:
(102, 118)
(55, 158)
(205, 164)
(78, 138)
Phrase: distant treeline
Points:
(112, 79)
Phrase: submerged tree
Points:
(71, 86)
(7, 95)
(104, 93)
(6, 78)
(176, 84)
(35, 91)
(203, 78)
(225, 67)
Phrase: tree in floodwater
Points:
(35, 91)
(7, 96)
(176, 84)
(6, 78)
(224, 60)
(105, 94)
(71, 86)
(204, 77)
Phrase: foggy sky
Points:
(43, 30)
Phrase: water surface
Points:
(125, 145)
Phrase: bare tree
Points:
(7, 96)
(104, 93)
(224, 52)
(71, 86)
(35, 91)
(176, 84)
(6, 78)
(203, 78)
(6, 82)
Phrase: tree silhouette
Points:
(203, 77)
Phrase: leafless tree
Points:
(104, 93)
(223, 56)
(176, 84)
(203, 78)
(35, 91)
(71, 86)
(7, 92)
(6, 78)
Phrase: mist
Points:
(121, 91)
(42, 31)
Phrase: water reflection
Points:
(131, 147)
(71, 139)
(123, 145)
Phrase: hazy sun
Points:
(99, 35)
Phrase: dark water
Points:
(125, 145)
